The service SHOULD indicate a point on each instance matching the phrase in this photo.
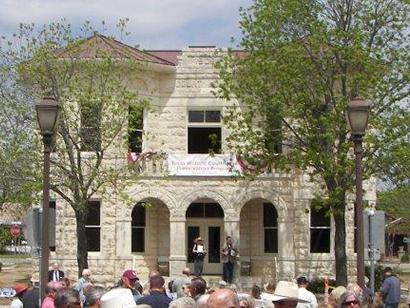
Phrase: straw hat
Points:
(118, 298)
(285, 290)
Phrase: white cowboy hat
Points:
(285, 290)
(118, 297)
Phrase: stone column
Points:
(123, 237)
(232, 228)
(177, 254)
(286, 248)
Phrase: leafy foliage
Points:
(303, 61)
(19, 156)
(396, 202)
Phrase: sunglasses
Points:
(350, 303)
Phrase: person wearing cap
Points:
(303, 293)
(286, 295)
(117, 297)
(129, 280)
(390, 289)
(20, 289)
(157, 297)
(31, 298)
(199, 254)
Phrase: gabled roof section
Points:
(92, 47)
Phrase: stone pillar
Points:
(232, 228)
(286, 249)
(177, 254)
(123, 237)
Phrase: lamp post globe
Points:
(358, 115)
(47, 116)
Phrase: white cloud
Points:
(153, 23)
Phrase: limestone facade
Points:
(172, 92)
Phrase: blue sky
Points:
(154, 24)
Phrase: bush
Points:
(405, 258)
(378, 275)
(317, 285)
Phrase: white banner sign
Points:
(202, 165)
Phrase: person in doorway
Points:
(199, 256)
(229, 253)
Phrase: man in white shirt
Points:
(305, 295)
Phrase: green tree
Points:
(18, 145)
(396, 202)
(92, 79)
(303, 61)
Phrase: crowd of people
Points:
(192, 291)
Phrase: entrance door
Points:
(211, 232)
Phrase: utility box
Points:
(377, 223)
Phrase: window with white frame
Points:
(270, 228)
(93, 226)
(138, 224)
(204, 131)
(319, 230)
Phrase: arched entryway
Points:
(150, 231)
(205, 218)
(259, 237)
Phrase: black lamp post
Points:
(47, 116)
(358, 115)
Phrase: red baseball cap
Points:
(20, 288)
(130, 274)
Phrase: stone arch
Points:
(271, 196)
(159, 194)
(201, 193)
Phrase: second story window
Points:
(135, 127)
(274, 138)
(90, 127)
(204, 131)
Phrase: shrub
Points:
(317, 285)
(405, 258)
(378, 275)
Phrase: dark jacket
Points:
(156, 299)
(60, 275)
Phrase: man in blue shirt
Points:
(390, 290)
(157, 297)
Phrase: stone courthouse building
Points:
(183, 192)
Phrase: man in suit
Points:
(55, 274)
